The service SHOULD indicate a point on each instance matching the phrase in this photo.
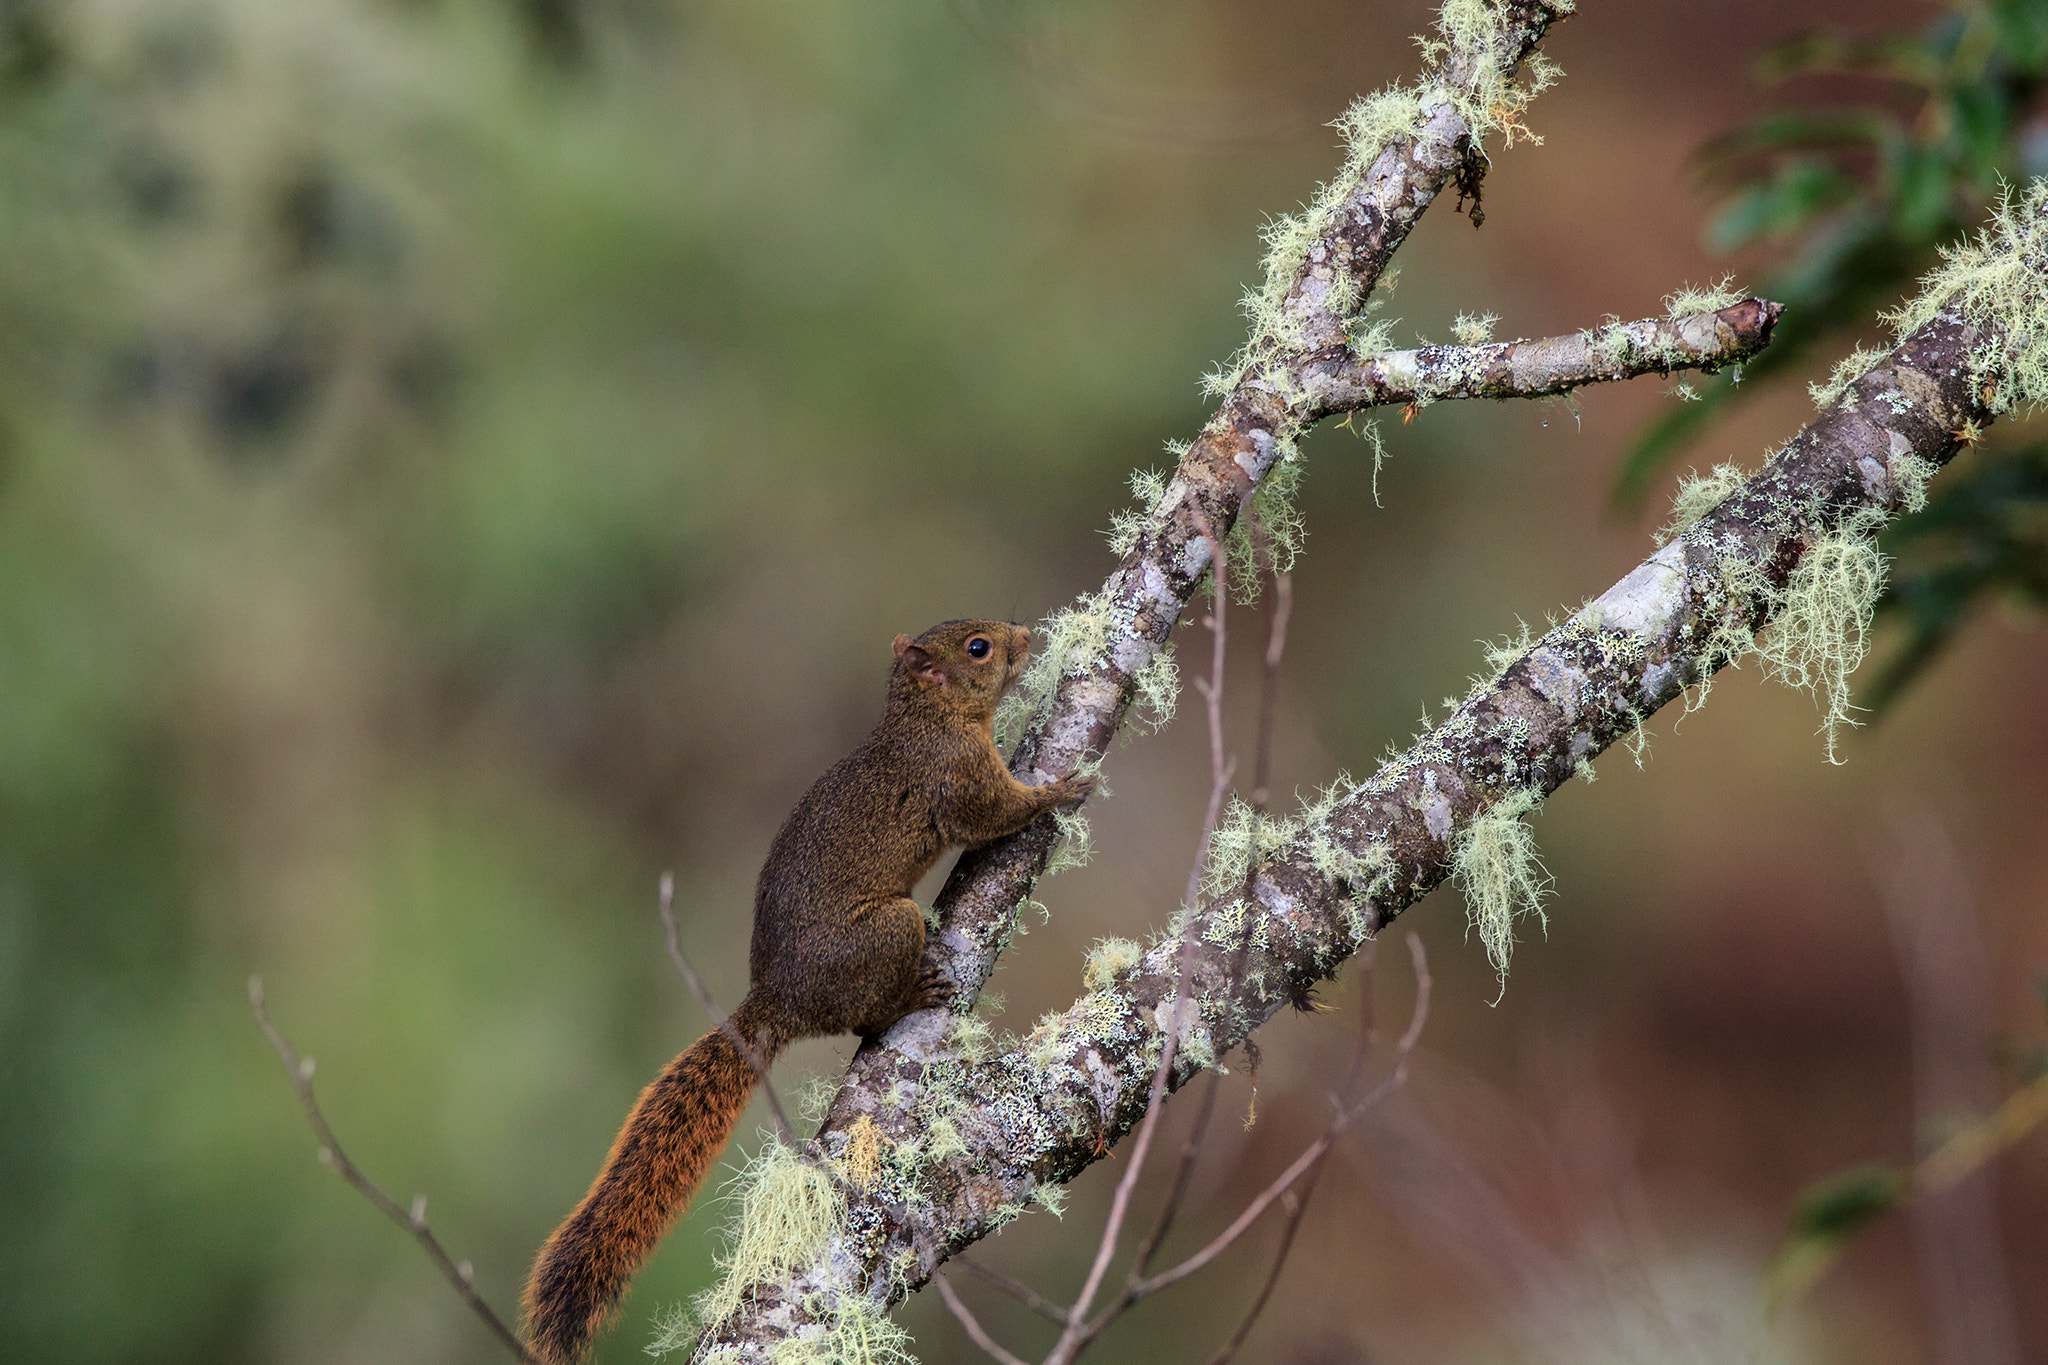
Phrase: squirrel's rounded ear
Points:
(918, 660)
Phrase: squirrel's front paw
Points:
(1074, 788)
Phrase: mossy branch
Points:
(1544, 367)
(1040, 1113)
(1019, 1122)
(1405, 147)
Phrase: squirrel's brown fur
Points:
(837, 948)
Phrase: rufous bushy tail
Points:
(668, 1143)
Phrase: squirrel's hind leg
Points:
(874, 964)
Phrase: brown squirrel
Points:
(837, 948)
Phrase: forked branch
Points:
(459, 1274)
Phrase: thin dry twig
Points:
(719, 1018)
(1190, 1151)
(459, 1274)
(1076, 1335)
(1295, 1203)
(1016, 1289)
(975, 1330)
(1315, 1151)
(1269, 689)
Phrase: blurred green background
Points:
(459, 458)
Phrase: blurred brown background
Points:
(460, 459)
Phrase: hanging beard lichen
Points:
(1494, 861)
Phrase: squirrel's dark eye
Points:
(977, 648)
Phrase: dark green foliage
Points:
(1845, 1201)
(1859, 195)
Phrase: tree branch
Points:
(975, 1331)
(1039, 1114)
(1321, 293)
(414, 1220)
(1016, 1289)
(1316, 1150)
(1296, 1203)
(1544, 367)
(720, 1020)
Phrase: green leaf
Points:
(1844, 1202)
(1919, 190)
(1795, 130)
(2021, 28)
(1986, 533)
(1827, 1213)
(1982, 115)
(1802, 189)
(1823, 51)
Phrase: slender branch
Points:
(1135, 1287)
(1544, 367)
(720, 1020)
(1296, 1205)
(1316, 1150)
(1076, 1335)
(1269, 689)
(459, 1274)
(1016, 1289)
(1177, 1192)
(975, 1330)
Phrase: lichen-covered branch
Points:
(1405, 146)
(970, 1134)
(1703, 341)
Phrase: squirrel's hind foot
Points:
(932, 992)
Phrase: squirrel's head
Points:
(966, 664)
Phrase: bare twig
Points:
(1135, 1285)
(459, 1274)
(1190, 1150)
(975, 1330)
(1314, 1154)
(1077, 1333)
(1269, 689)
(1295, 1204)
(719, 1018)
(1016, 1289)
